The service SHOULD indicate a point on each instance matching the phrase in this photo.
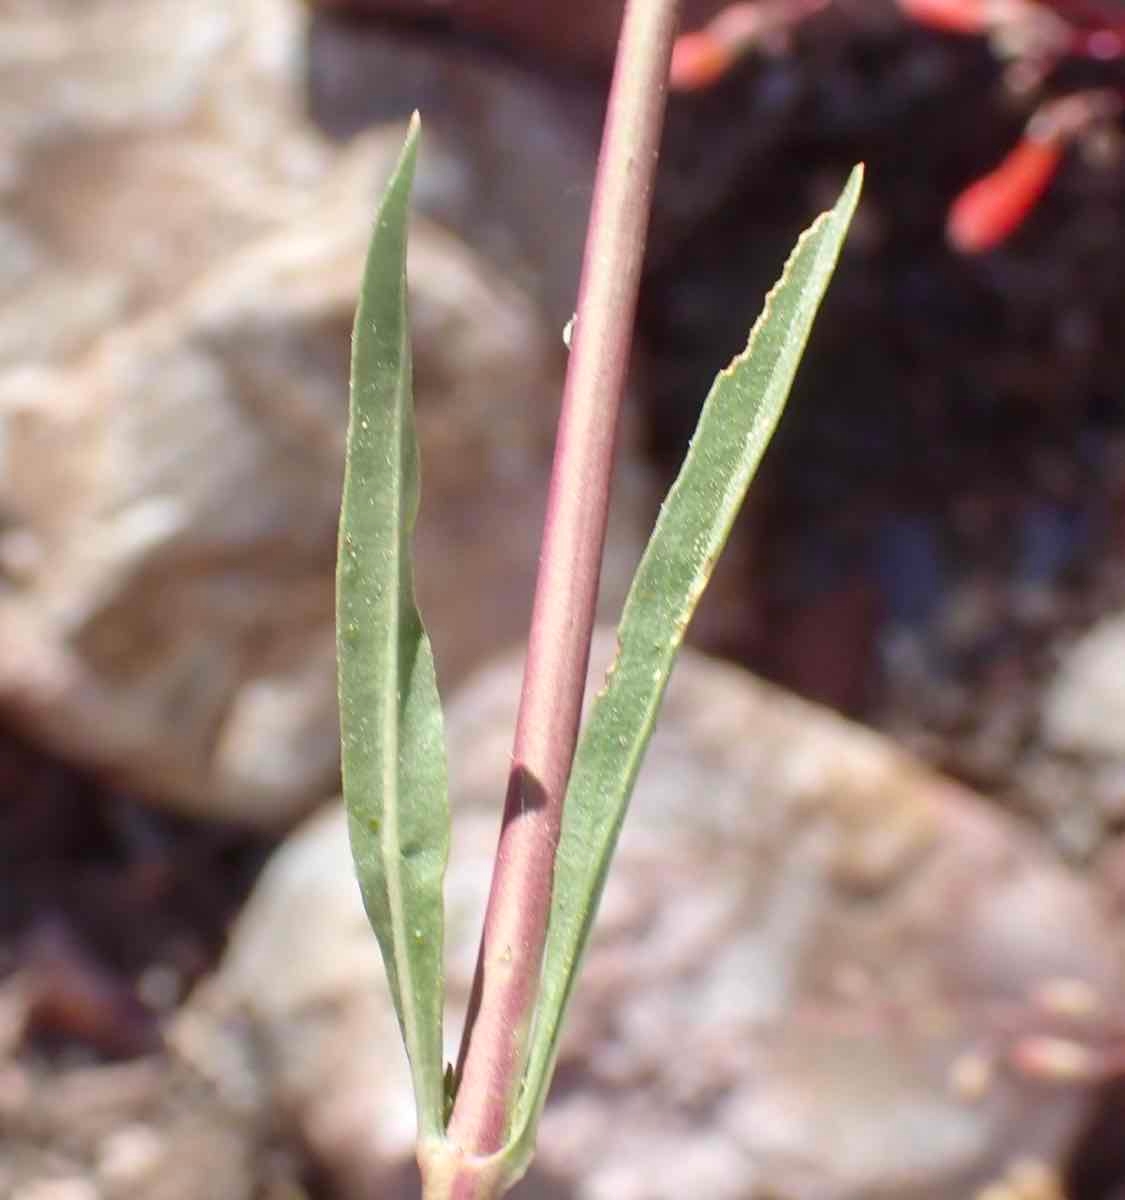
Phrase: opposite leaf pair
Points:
(393, 754)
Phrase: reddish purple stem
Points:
(508, 969)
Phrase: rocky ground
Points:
(833, 979)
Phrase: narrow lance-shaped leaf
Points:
(736, 423)
(390, 715)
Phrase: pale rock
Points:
(181, 256)
(181, 485)
(814, 970)
(145, 1130)
(1084, 705)
(140, 147)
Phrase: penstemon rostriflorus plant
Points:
(567, 792)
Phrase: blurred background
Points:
(865, 939)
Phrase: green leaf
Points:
(738, 418)
(390, 716)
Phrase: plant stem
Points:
(506, 986)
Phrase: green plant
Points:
(477, 1123)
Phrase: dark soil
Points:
(942, 509)
(109, 907)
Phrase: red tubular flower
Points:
(949, 16)
(698, 60)
(990, 210)
(702, 58)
